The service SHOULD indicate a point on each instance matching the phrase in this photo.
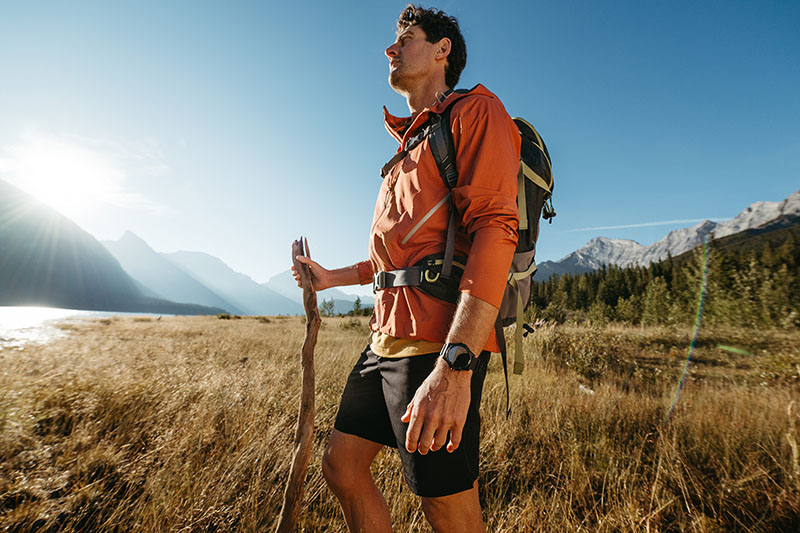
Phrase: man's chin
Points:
(396, 82)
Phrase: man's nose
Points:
(392, 50)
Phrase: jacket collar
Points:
(400, 127)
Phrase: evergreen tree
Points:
(327, 308)
(657, 302)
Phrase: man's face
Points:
(411, 57)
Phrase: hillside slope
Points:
(161, 275)
(48, 260)
(236, 288)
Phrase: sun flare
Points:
(68, 177)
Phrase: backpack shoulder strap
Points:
(444, 153)
(442, 147)
(441, 141)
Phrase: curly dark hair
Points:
(437, 25)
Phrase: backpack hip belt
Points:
(426, 275)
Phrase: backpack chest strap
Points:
(412, 143)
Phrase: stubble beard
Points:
(397, 81)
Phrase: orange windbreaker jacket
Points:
(412, 210)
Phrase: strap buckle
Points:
(378, 281)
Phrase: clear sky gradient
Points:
(235, 127)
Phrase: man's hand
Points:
(320, 276)
(440, 405)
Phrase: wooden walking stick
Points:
(293, 495)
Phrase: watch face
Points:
(462, 359)
(458, 357)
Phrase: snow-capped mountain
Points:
(604, 251)
(759, 214)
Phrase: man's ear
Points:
(443, 48)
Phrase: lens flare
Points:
(733, 349)
(696, 330)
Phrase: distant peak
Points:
(130, 236)
(607, 240)
(130, 239)
(706, 224)
(791, 205)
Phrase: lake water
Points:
(25, 325)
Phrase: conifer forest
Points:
(733, 282)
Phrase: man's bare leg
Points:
(460, 512)
(345, 466)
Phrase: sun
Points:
(70, 178)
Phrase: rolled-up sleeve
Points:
(487, 156)
(364, 269)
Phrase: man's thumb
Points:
(407, 415)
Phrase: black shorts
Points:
(377, 394)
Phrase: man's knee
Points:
(431, 507)
(438, 512)
(458, 512)
(335, 472)
(345, 466)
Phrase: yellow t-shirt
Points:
(384, 345)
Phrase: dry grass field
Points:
(186, 424)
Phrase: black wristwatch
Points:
(458, 356)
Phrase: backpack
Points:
(535, 189)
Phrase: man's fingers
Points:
(309, 263)
(296, 275)
(439, 439)
(407, 415)
(412, 436)
(426, 438)
(306, 261)
(414, 427)
(455, 438)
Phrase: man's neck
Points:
(425, 95)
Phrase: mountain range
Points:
(602, 251)
(247, 296)
(160, 275)
(202, 278)
(46, 259)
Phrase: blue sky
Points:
(234, 127)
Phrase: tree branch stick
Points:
(293, 495)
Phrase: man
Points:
(402, 393)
